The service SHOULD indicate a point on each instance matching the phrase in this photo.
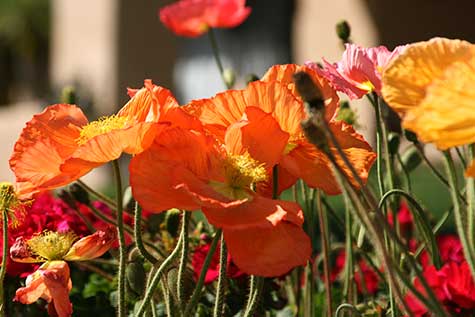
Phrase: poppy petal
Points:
(259, 135)
(258, 211)
(44, 143)
(446, 116)
(148, 103)
(407, 76)
(285, 73)
(92, 246)
(270, 251)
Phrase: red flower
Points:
(192, 18)
(45, 213)
(404, 218)
(453, 286)
(366, 279)
(199, 255)
(450, 250)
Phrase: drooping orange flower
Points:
(59, 145)
(190, 170)
(192, 18)
(51, 281)
(275, 95)
(432, 86)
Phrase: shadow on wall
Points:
(405, 21)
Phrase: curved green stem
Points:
(3, 269)
(138, 235)
(120, 232)
(322, 217)
(254, 295)
(421, 222)
(199, 284)
(183, 258)
(220, 290)
(156, 277)
(460, 217)
(348, 307)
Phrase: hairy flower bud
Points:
(343, 31)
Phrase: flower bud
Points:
(411, 159)
(79, 194)
(343, 31)
(229, 77)
(346, 114)
(172, 221)
(411, 136)
(135, 274)
(393, 143)
(68, 95)
(251, 77)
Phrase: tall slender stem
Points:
(156, 277)
(199, 284)
(138, 235)
(110, 202)
(220, 290)
(120, 232)
(254, 295)
(460, 218)
(183, 259)
(217, 58)
(322, 217)
(3, 269)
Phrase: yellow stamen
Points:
(10, 203)
(242, 173)
(101, 126)
(51, 245)
(367, 85)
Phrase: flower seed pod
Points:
(135, 274)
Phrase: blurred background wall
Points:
(103, 47)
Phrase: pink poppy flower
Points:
(359, 71)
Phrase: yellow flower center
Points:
(51, 245)
(242, 173)
(10, 203)
(367, 85)
(101, 126)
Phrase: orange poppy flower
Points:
(275, 95)
(432, 86)
(192, 18)
(59, 145)
(220, 179)
(51, 281)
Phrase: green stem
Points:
(220, 290)
(471, 201)
(110, 202)
(348, 307)
(120, 232)
(138, 235)
(349, 263)
(183, 259)
(217, 58)
(460, 218)
(199, 284)
(156, 277)
(405, 171)
(379, 146)
(322, 217)
(437, 173)
(3, 269)
(254, 295)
